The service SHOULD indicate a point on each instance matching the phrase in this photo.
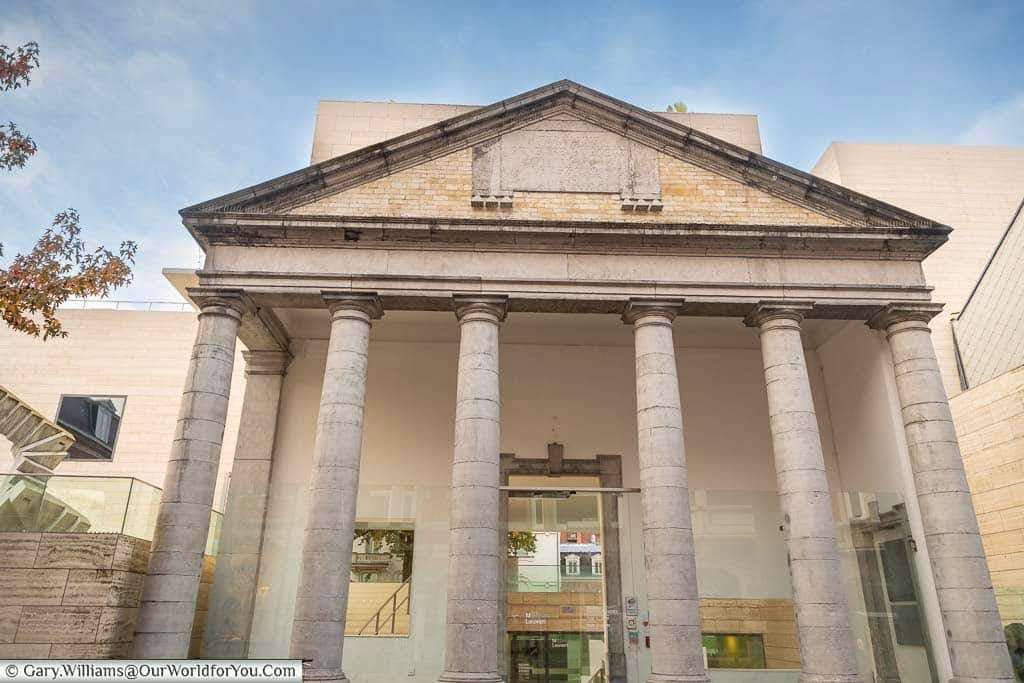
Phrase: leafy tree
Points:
(521, 541)
(400, 542)
(678, 107)
(59, 266)
(15, 67)
(392, 541)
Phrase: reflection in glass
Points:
(380, 583)
(94, 421)
(876, 552)
(556, 614)
(734, 651)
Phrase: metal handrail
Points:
(395, 605)
(126, 304)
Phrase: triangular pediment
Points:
(572, 145)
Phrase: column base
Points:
(831, 678)
(676, 678)
(460, 677)
(961, 679)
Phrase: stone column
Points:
(233, 597)
(318, 628)
(974, 632)
(671, 570)
(476, 548)
(168, 601)
(822, 615)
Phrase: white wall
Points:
(580, 396)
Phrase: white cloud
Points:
(120, 114)
(1002, 125)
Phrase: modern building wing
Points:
(976, 190)
(990, 327)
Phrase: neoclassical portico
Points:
(336, 242)
(473, 590)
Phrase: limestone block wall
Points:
(69, 595)
(443, 188)
(568, 611)
(990, 422)
(77, 595)
(774, 620)
(195, 647)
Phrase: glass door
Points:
(564, 618)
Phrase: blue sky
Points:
(142, 108)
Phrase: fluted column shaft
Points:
(318, 627)
(168, 602)
(229, 618)
(822, 615)
(476, 548)
(974, 632)
(671, 571)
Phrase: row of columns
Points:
(827, 654)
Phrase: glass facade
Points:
(575, 608)
(562, 618)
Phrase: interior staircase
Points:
(26, 506)
(37, 444)
(373, 608)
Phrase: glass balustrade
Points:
(61, 503)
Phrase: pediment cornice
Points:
(275, 198)
(245, 229)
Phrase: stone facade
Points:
(990, 423)
(441, 187)
(202, 613)
(991, 324)
(394, 226)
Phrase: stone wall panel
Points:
(990, 422)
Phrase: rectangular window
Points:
(734, 651)
(380, 584)
(94, 421)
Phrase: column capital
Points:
(471, 307)
(266, 362)
(339, 301)
(230, 301)
(893, 314)
(662, 308)
(767, 311)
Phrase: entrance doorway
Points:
(552, 657)
(564, 581)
